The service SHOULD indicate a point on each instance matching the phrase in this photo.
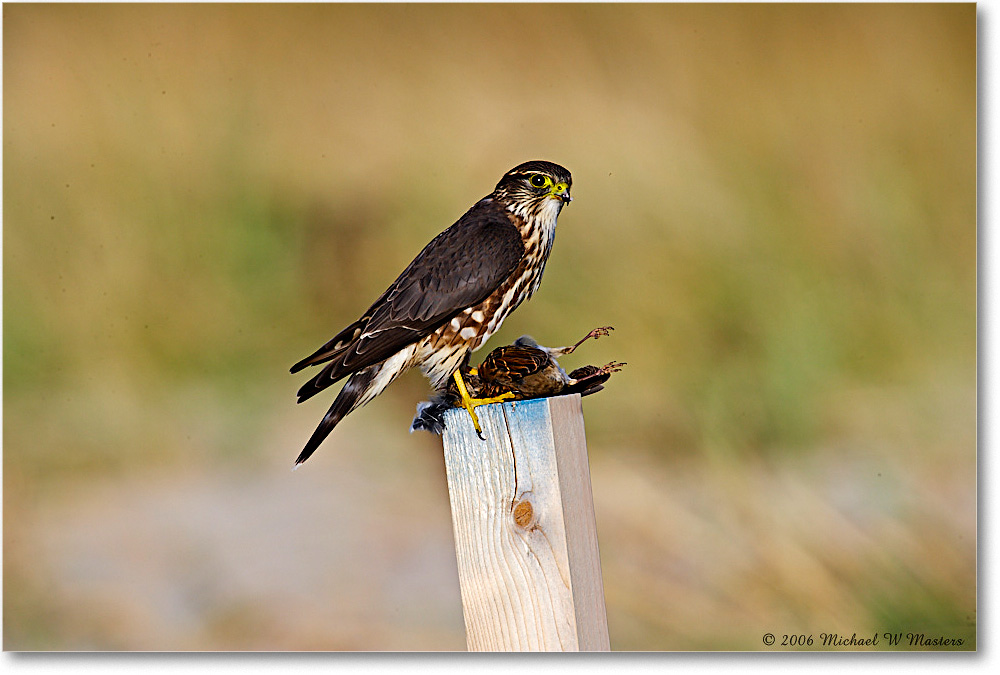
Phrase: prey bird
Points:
(523, 370)
(529, 370)
(447, 302)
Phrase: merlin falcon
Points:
(447, 302)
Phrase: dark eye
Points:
(538, 180)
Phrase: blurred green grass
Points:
(775, 206)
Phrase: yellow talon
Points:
(470, 404)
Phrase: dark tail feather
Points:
(345, 402)
(321, 381)
(589, 380)
(337, 344)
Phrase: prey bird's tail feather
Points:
(349, 398)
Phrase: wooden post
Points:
(525, 532)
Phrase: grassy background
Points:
(775, 206)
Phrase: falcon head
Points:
(535, 189)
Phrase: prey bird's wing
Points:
(512, 362)
(458, 269)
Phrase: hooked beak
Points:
(561, 191)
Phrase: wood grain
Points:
(525, 532)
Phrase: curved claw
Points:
(470, 404)
(602, 331)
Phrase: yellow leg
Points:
(471, 404)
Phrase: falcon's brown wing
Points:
(458, 269)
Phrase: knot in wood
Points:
(524, 514)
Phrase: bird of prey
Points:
(524, 370)
(447, 302)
